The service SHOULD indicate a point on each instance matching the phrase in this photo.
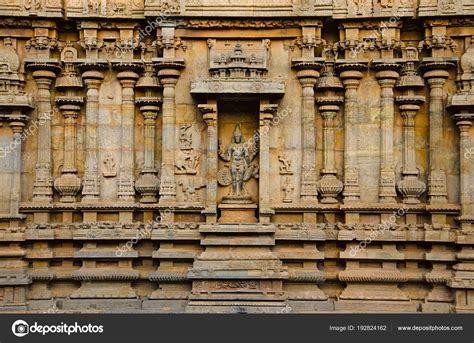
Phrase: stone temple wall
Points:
(237, 156)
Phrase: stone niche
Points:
(234, 116)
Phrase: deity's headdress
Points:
(237, 132)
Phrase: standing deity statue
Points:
(240, 169)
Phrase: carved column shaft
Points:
(150, 115)
(209, 112)
(328, 113)
(309, 190)
(147, 183)
(70, 133)
(351, 80)
(126, 190)
(43, 185)
(466, 169)
(329, 185)
(17, 128)
(168, 185)
(266, 115)
(437, 175)
(387, 79)
(408, 113)
(68, 185)
(91, 186)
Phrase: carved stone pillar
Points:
(466, 167)
(386, 76)
(44, 76)
(351, 74)
(463, 278)
(148, 183)
(17, 128)
(411, 187)
(267, 111)
(126, 191)
(68, 185)
(308, 75)
(92, 78)
(168, 78)
(436, 76)
(209, 114)
(329, 185)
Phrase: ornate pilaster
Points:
(329, 103)
(436, 75)
(127, 77)
(411, 187)
(44, 75)
(209, 114)
(168, 78)
(69, 184)
(307, 75)
(92, 77)
(169, 69)
(17, 128)
(387, 74)
(267, 111)
(147, 183)
(350, 73)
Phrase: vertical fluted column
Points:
(126, 190)
(168, 78)
(387, 77)
(267, 111)
(209, 114)
(91, 179)
(43, 184)
(17, 128)
(68, 185)
(437, 189)
(351, 75)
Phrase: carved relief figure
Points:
(109, 166)
(185, 136)
(448, 5)
(288, 189)
(187, 160)
(35, 5)
(240, 157)
(190, 189)
(285, 164)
